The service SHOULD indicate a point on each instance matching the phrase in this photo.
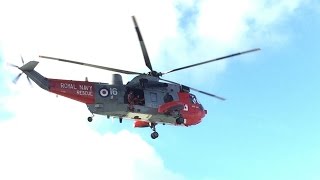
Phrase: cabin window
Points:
(137, 96)
(153, 97)
(167, 98)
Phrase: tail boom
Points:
(82, 91)
(77, 90)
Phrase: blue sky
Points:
(267, 128)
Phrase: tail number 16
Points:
(114, 91)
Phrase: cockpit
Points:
(193, 99)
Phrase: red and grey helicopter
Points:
(147, 99)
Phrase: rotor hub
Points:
(155, 73)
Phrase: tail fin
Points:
(29, 66)
(36, 77)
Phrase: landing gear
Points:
(90, 119)
(120, 119)
(155, 134)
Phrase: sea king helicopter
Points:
(147, 99)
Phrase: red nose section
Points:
(194, 117)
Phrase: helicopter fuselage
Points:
(112, 100)
(155, 102)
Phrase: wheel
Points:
(179, 120)
(120, 120)
(154, 135)
(89, 119)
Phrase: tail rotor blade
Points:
(13, 65)
(29, 81)
(17, 78)
(22, 60)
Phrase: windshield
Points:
(193, 99)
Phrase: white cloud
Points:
(230, 23)
(102, 32)
(49, 138)
(225, 27)
(46, 140)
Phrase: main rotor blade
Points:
(91, 65)
(217, 59)
(212, 95)
(143, 46)
(206, 93)
(17, 78)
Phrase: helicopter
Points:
(147, 99)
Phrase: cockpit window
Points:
(193, 99)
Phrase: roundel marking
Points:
(104, 92)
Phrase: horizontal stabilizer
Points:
(29, 66)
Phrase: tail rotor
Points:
(16, 79)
